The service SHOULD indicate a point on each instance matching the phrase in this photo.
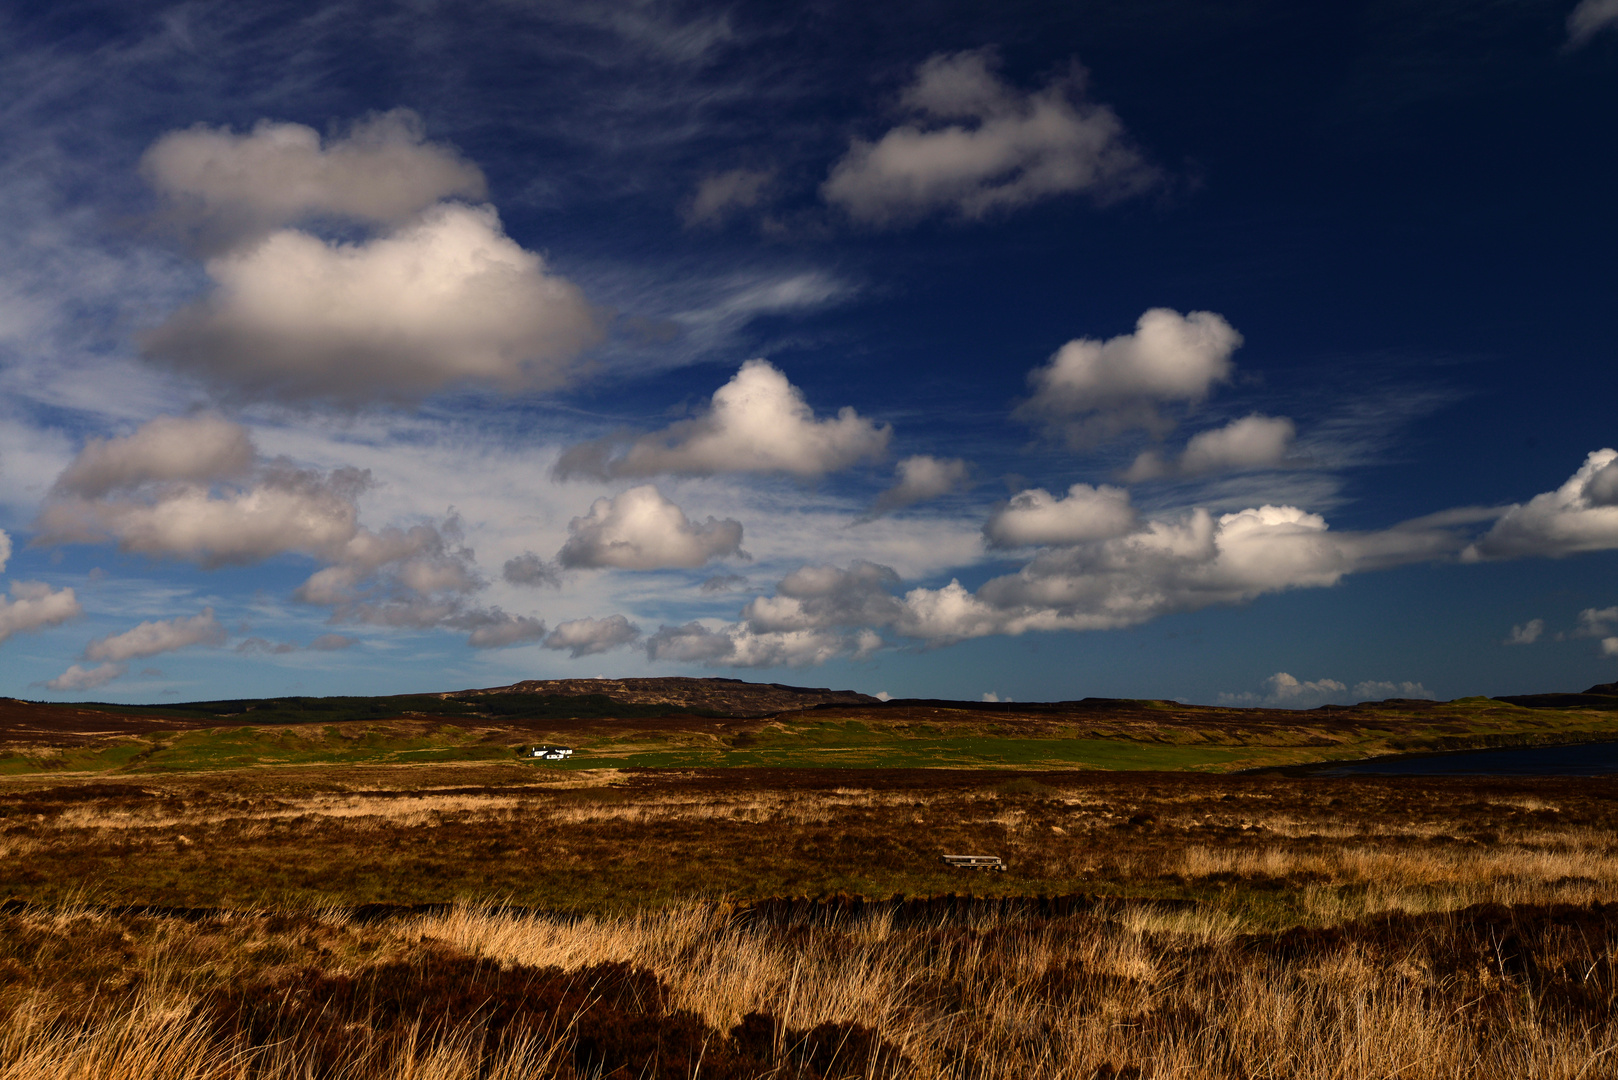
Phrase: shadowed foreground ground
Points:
(1190, 925)
(1123, 990)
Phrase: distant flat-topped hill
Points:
(1600, 696)
(728, 697)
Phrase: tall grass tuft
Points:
(706, 992)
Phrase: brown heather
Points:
(462, 922)
(1124, 990)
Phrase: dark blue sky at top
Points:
(1405, 208)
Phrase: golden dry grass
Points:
(1234, 927)
(1142, 990)
(1170, 993)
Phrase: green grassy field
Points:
(840, 748)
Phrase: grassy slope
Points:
(1122, 735)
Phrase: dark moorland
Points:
(322, 898)
(697, 723)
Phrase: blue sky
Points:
(1254, 353)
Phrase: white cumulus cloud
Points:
(976, 145)
(723, 583)
(34, 604)
(1372, 690)
(1183, 564)
(1253, 442)
(1596, 622)
(287, 510)
(79, 677)
(495, 629)
(1036, 517)
(445, 298)
(588, 636)
(921, 477)
(196, 489)
(722, 194)
(157, 636)
(409, 577)
(1095, 389)
(264, 645)
(194, 449)
(758, 422)
(1590, 18)
(826, 597)
(1097, 567)
(640, 529)
(149, 638)
(690, 643)
(230, 187)
(1286, 691)
(1289, 691)
(1526, 633)
(738, 646)
(1579, 516)
(530, 569)
(1601, 489)
(192, 488)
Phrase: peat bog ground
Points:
(490, 920)
(200, 918)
